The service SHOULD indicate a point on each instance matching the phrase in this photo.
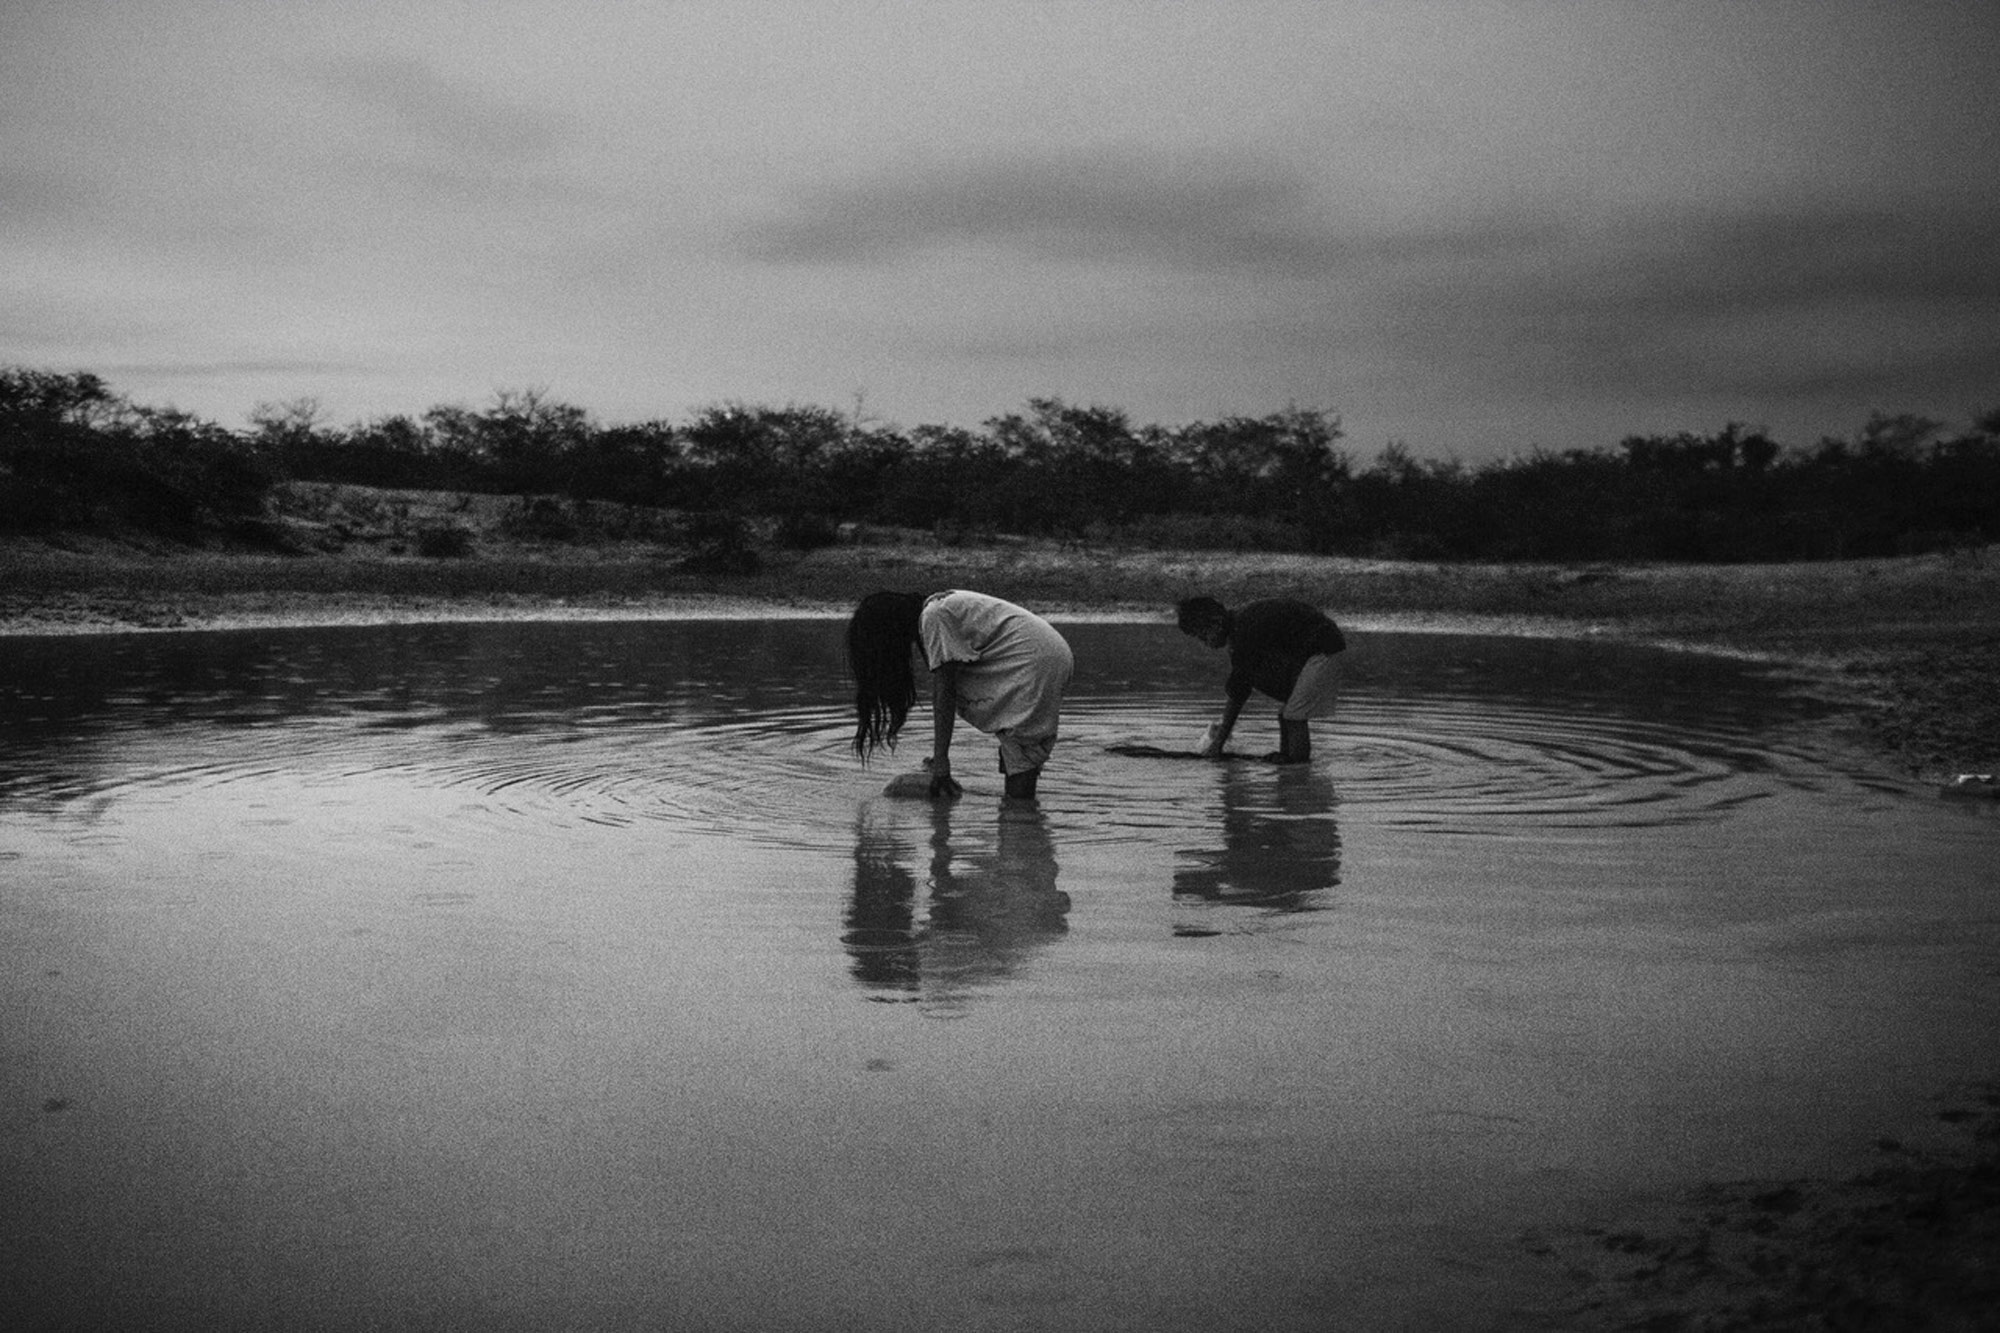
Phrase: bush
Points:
(806, 530)
(541, 519)
(72, 454)
(719, 543)
(1215, 532)
(444, 541)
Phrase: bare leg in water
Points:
(1021, 786)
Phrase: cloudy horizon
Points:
(1474, 228)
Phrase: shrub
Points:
(1215, 532)
(719, 543)
(806, 530)
(540, 519)
(444, 541)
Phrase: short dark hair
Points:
(1194, 613)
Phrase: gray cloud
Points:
(446, 155)
(1674, 301)
(1785, 304)
(36, 195)
(1890, 378)
(211, 369)
(440, 113)
(1084, 206)
(1672, 262)
(1391, 217)
(1725, 263)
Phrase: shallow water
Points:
(524, 976)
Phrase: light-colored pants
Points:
(1023, 754)
(1313, 695)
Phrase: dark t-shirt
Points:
(1269, 643)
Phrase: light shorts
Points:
(1020, 754)
(1314, 694)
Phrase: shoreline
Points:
(56, 616)
(1925, 691)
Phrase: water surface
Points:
(524, 976)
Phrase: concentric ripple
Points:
(739, 739)
(781, 777)
(1466, 765)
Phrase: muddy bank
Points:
(1907, 1245)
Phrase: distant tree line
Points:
(74, 454)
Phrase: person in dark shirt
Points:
(1278, 647)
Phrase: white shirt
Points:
(1013, 665)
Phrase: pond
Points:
(576, 974)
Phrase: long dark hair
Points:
(879, 638)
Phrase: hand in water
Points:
(943, 784)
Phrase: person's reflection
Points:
(881, 934)
(992, 899)
(1280, 847)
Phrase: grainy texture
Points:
(1912, 1245)
(1910, 647)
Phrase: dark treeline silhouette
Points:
(74, 454)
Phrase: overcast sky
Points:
(1477, 228)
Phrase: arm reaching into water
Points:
(944, 717)
(1217, 736)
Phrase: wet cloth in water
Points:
(1013, 669)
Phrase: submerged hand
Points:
(942, 782)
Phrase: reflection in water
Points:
(993, 899)
(881, 916)
(1280, 845)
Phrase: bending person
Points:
(997, 666)
(1277, 647)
